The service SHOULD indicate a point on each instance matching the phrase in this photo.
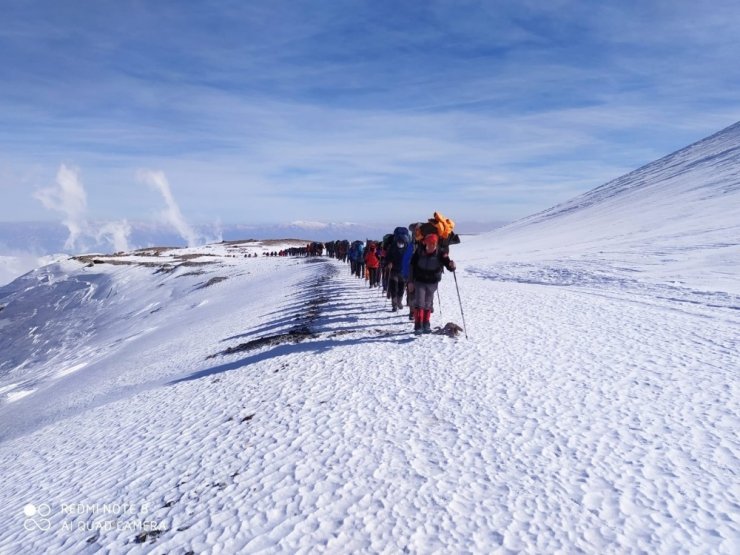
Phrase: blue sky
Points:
(353, 111)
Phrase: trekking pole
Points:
(465, 326)
(439, 302)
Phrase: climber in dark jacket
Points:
(396, 281)
(427, 265)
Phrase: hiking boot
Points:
(427, 327)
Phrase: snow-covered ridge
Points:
(56, 319)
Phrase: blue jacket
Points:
(356, 252)
(406, 262)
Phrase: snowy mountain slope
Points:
(594, 407)
(709, 168)
(687, 187)
(678, 216)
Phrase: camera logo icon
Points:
(36, 517)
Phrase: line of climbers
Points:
(311, 249)
(410, 260)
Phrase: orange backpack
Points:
(438, 224)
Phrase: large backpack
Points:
(440, 225)
(437, 224)
(387, 241)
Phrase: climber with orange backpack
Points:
(427, 264)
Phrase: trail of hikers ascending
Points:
(410, 261)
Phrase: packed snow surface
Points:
(195, 400)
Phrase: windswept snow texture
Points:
(195, 400)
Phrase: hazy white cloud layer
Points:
(356, 110)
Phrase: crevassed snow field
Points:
(198, 401)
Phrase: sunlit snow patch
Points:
(71, 369)
(20, 394)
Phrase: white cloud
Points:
(69, 198)
(116, 234)
(172, 215)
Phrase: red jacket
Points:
(371, 260)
